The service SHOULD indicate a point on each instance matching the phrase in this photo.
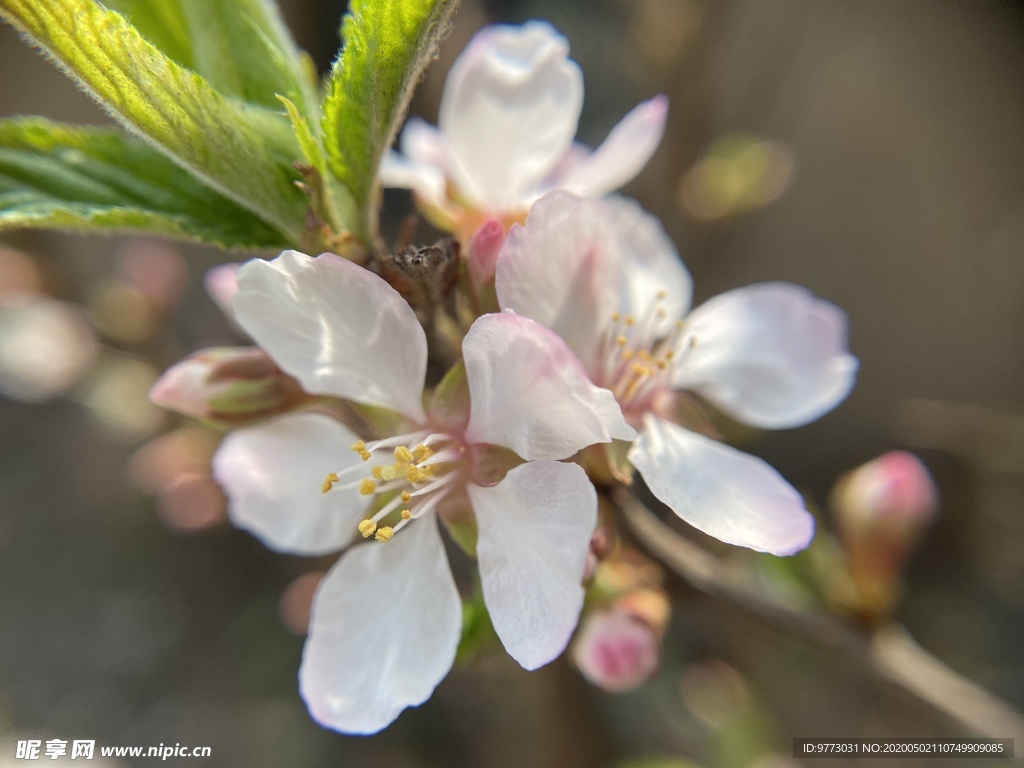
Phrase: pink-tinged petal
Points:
(426, 181)
(771, 355)
(535, 528)
(576, 262)
(222, 284)
(272, 474)
(423, 143)
(558, 269)
(529, 393)
(385, 627)
(337, 328)
(622, 155)
(728, 494)
(509, 112)
(482, 254)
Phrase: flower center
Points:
(415, 477)
(638, 355)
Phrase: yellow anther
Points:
(679, 325)
(627, 354)
(422, 452)
(403, 454)
(662, 294)
(662, 365)
(377, 472)
(641, 370)
(367, 527)
(621, 341)
(615, 317)
(358, 446)
(661, 313)
(406, 497)
(367, 487)
(388, 473)
(646, 356)
(332, 478)
(416, 474)
(669, 355)
(629, 320)
(384, 533)
(364, 455)
(406, 514)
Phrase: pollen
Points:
(422, 452)
(377, 472)
(403, 454)
(358, 446)
(615, 317)
(416, 474)
(367, 487)
(406, 514)
(367, 527)
(630, 320)
(662, 295)
(406, 497)
(332, 478)
(388, 473)
(384, 533)
(621, 341)
(364, 455)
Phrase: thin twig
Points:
(890, 656)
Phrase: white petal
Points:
(425, 144)
(509, 112)
(651, 274)
(535, 528)
(404, 173)
(528, 392)
(337, 328)
(384, 630)
(622, 155)
(272, 474)
(771, 355)
(577, 261)
(727, 494)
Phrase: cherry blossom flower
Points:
(605, 277)
(507, 119)
(387, 618)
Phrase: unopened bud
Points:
(228, 386)
(881, 509)
(616, 651)
(482, 256)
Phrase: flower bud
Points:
(228, 386)
(616, 651)
(482, 255)
(881, 509)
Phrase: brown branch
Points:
(889, 656)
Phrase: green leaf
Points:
(241, 47)
(387, 45)
(243, 152)
(54, 175)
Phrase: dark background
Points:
(905, 207)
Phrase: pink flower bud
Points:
(482, 256)
(227, 385)
(616, 651)
(222, 285)
(880, 510)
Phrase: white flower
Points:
(505, 132)
(387, 619)
(605, 277)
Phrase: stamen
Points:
(439, 483)
(367, 527)
(364, 455)
(377, 472)
(367, 487)
(384, 533)
(388, 473)
(405, 496)
(403, 455)
(358, 446)
(332, 478)
(406, 514)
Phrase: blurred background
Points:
(870, 151)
